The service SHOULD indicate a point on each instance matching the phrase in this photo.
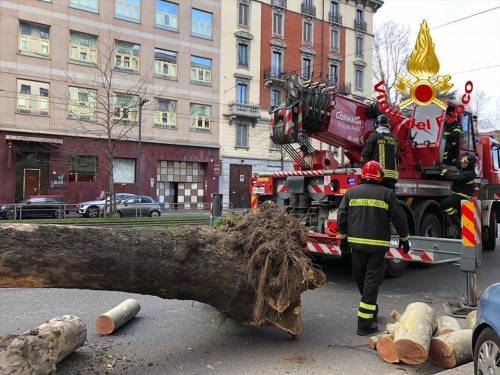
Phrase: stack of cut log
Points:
(418, 334)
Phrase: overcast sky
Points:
(464, 48)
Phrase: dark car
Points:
(138, 206)
(486, 336)
(36, 206)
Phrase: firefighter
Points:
(363, 219)
(452, 132)
(462, 188)
(382, 146)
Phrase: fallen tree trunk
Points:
(446, 324)
(452, 349)
(413, 332)
(39, 350)
(253, 270)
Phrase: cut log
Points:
(452, 349)
(113, 319)
(394, 314)
(386, 349)
(471, 319)
(372, 340)
(413, 333)
(253, 270)
(446, 324)
(39, 350)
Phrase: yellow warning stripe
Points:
(367, 306)
(364, 315)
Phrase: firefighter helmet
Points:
(372, 170)
(383, 120)
(470, 160)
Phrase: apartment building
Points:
(264, 42)
(72, 72)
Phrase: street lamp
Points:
(142, 101)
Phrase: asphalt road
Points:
(184, 337)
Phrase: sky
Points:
(465, 48)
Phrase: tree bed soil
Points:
(251, 268)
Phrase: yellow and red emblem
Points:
(423, 65)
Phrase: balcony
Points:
(274, 76)
(250, 111)
(279, 3)
(360, 25)
(335, 18)
(308, 9)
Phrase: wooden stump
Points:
(39, 350)
(446, 324)
(452, 349)
(113, 319)
(253, 270)
(413, 332)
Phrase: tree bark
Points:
(452, 349)
(113, 319)
(446, 324)
(39, 350)
(413, 332)
(252, 270)
(471, 319)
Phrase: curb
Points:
(467, 369)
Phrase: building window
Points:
(243, 54)
(333, 74)
(34, 39)
(128, 9)
(278, 19)
(83, 48)
(359, 45)
(125, 109)
(123, 171)
(359, 16)
(306, 68)
(82, 104)
(276, 63)
(201, 24)
(167, 15)
(334, 10)
(88, 5)
(307, 32)
(242, 135)
(275, 98)
(127, 57)
(165, 113)
(200, 117)
(82, 168)
(32, 97)
(243, 13)
(241, 93)
(334, 39)
(165, 64)
(359, 79)
(201, 70)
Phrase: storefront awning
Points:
(23, 138)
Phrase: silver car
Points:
(138, 206)
(93, 208)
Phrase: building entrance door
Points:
(239, 185)
(31, 182)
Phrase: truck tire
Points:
(430, 226)
(395, 267)
(491, 233)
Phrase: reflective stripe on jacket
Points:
(382, 146)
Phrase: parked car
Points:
(138, 206)
(93, 208)
(35, 207)
(486, 336)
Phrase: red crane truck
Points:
(314, 188)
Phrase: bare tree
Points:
(109, 107)
(391, 49)
(478, 103)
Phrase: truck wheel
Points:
(491, 234)
(395, 267)
(430, 226)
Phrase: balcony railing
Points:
(244, 110)
(279, 3)
(335, 18)
(308, 8)
(274, 75)
(360, 25)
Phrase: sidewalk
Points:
(467, 369)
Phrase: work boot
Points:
(366, 327)
(375, 314)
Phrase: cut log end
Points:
(441, 354)
(386, 349)
(104, 325)
(410, 352)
